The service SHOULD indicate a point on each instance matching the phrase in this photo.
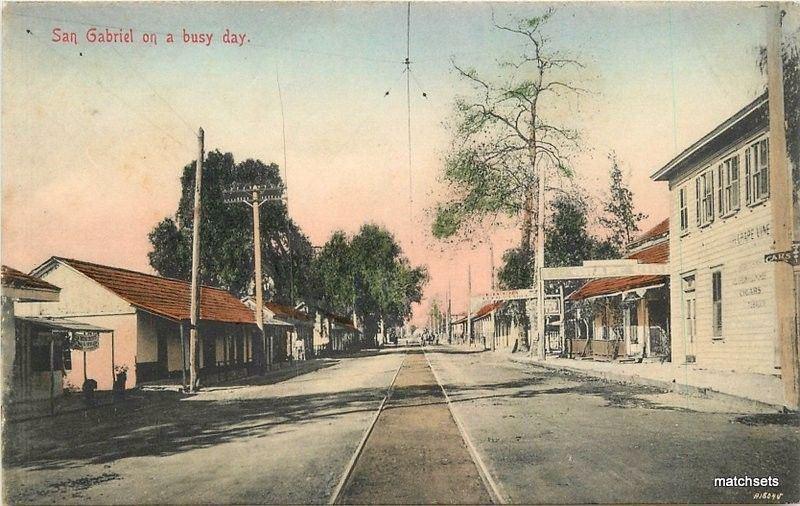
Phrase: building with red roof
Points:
(627, 316)
(149, 316)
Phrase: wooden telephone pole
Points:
(194, 309)
(449, 316)
(255, 195)
(782, 211)
(468, 336)
(540, 242)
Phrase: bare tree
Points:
(503, 139)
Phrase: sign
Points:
(791, 257)
(552, 306)
(606, 270)
(527, 293)
(85, 341)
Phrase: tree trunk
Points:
(527, 224)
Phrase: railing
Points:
(633, 331)
(231, 369)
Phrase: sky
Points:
(94, 136)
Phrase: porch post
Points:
(113, 365)
(183, 354)
(52, 377)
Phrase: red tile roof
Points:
(165, 297)
(487, 308)
(282, 311)
(659, 230)
(341, 320)
(13, 278)
(656, 254)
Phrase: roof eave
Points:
(668, 170)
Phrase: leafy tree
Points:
(333, 271)
(791, 99)
(227, 234)
(369, 273)
(435, 313)
(620, 218)
(568, 243)
(503, 139)
(516, 271)
(568, 240)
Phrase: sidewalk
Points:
(761, 390)
(152, 393)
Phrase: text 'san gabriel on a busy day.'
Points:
(130, 36)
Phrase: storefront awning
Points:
(63, 324)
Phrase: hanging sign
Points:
(85, 341)
(552, 306)
(791, 256)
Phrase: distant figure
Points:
(300, 349)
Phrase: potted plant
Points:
(120, 378)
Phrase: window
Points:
(704, 188)
(716, 303)
(66, 358)
(684, 209)
(756, 170)
(690, 316)
(40, 353)
(728, 179)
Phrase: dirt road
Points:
(552, 438)
(251, 443)
(415, 453)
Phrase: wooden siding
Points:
(736, 246)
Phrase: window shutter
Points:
(711, 196)
(697, 199)
(735, 182)
(748, 186)
(765, 168)
(720, 189)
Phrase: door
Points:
(163, 366)
(634, 340)
(690, 316)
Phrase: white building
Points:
(722, 289)
(148, 316)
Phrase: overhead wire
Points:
(114, 95)
(408, 110)
(286, 190)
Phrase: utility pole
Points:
(782, 207)
(540, 264)
(194, 316)
(491, 262)
(254, 195)
(469, 304)
(449, 315)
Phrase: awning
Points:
(63, 324)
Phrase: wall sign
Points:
(85, 341)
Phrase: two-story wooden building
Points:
(722, 290)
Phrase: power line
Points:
(286, 190)
(138, 74)
(408, 111)
(114, 95)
